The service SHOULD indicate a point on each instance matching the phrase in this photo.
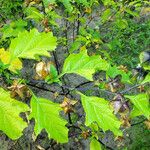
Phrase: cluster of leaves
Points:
(9, 9)
(134, 39)
(28, 40)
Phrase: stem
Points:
(78, 23)
(84, 83)
(74, 126)
(57, 67)
(129, 89)
(108, 92)
(69, 118)
(56, 62)
(104, 144)
(66, 34)
(42, 88)
(74, 30)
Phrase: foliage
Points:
(133, 39)
(81, 63)
(98, 110)
(94, 145)
(10, 9)
(5, 57)
(10, 121)
(46, 115)
(33, 43)
(141, 103)
(94, 44)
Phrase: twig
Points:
(108, 92)
(69, 118)
(57, 67)
(84, 83)
(104, 144)
(66, 34)
(42, 88)
(56, 62)
(74, 126)
(129, 89)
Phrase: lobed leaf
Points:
(46, 115)
(114, 71)
(10, 121)
(32, 44)
(141, 104)
(84, 65)
(98, 110)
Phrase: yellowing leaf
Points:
(10, 121)
(88, 10)
(98, 110)
(83, 64)
(42, 70)
(5, 57)
(67, 105)
(46, 115)
(32, 44)
(147, 123)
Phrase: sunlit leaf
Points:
(83, 64)
(12, 29)
(135, 112)
(67, 4)
(46, 115)
(141, 103)
(33, 13)
(114, 71)
(147, 79)
(10, 121)
(95, 145)
(98, 110)
(32, 44)
(5, 57)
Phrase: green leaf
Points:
(12, 29)
(133, 13)
(135, 112)
(34, 13)
(106, 14)
(47, 2)
(98, 110)
(10, 121)
(147, 79)
(84, 2)
(114, 71)
(84, 65)
(121, 23)
(53, 75)
(95, 145)
(67, 4)
(141, 102)
(31, 44)
(75, 46)
(46, 115)
(108, 2)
